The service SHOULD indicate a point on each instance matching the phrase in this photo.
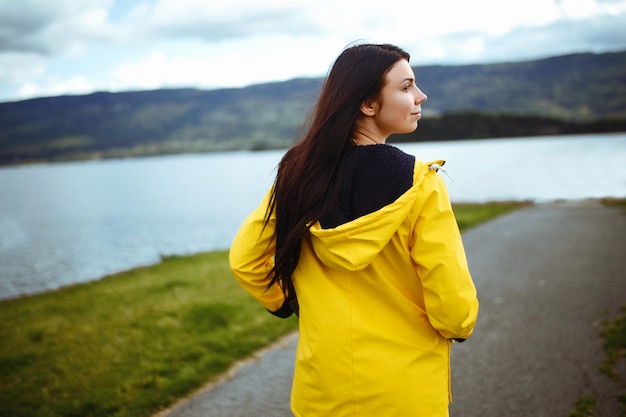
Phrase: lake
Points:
(73, 222)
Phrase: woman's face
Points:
(399, 102)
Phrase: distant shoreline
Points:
(416, 137)
(568, 94)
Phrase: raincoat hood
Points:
(352, 246)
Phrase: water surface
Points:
(74, 222)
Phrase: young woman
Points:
(364, 236)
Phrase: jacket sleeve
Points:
(437, 250)
(251, 258)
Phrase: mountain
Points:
(578, 86)
(565, 94)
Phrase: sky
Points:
(60, 47)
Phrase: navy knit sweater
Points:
(375, 176)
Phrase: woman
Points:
(365, 236)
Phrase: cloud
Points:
(72, 46)
(227, 64)
(77, 84)
(597, 34)
(220, 20)
(50, 28)
(562, 29)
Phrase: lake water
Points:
(73, 222)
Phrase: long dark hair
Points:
(308, 179)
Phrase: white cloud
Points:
(16, 68)
(577, 9)
(139, 73)
(51, 28)
(74, 85)
(71, 46)
(229, 64)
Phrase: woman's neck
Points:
(365, 134)
(365, 139)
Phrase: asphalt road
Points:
(546, 276)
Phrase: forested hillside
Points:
(567, 94)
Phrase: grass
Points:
(135, 342)
(129, 344)
(585, 407)
(469, 215)
(614, 343)
(615, 202)
(614, 335)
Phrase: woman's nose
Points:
(420, 97)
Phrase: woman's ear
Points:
(369, 107)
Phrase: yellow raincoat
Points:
(381, 298)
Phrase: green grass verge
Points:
(614, 332)
(129, 344)
(614, 342)
(585, 407)
(135, 342)
(614, 335)
(615, 202)
(469, 215)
